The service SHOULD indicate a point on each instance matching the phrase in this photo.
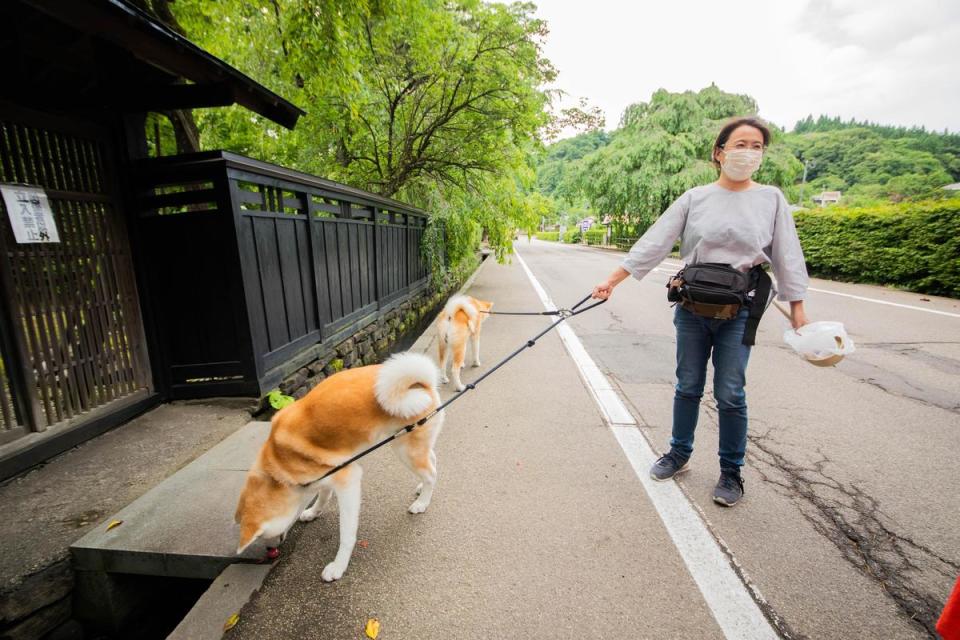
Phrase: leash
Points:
(563, 315)
(557, 312)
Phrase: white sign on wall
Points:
(30, 214)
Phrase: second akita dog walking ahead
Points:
(459, 322)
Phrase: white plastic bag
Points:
(821, 343)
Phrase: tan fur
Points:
(454, 332)
(338, 418)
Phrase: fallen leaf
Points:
(363, 544)
(231, 622)
(114, 523)
(373, 628)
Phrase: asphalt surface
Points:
(851, 523)
(850, 527)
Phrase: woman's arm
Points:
(650, 249)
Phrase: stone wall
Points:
(39, 606)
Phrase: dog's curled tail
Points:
(459, 303)
(406, 384)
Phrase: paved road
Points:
(540, 526)
(851, 525)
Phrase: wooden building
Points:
(183, 276)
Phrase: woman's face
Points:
(743, 137)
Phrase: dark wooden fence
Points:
(72, 345)
(249, 264)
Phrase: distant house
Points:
(827, 197)
(952, 187)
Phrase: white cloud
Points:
(880, 60)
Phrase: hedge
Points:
(572, 236)
(552, 236)
(913, 245)
(596, 235)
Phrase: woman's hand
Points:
(798, 317)
(603, 290)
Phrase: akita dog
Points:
(340, 417)
(459, 322)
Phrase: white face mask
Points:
(740, 164)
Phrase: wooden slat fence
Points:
(314, 259)
(77, 341)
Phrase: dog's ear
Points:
(484, 305)
(249, 533)
(246, 515)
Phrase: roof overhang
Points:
(214, 82)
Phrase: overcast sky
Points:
(894, 62)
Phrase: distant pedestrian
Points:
(741, 224)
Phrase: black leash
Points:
(525, 313)
(563, 315)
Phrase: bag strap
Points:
(759, 305)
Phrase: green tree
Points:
(439, 104)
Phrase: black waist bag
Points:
(719, 291)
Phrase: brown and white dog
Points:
(459, 322)
(341, 416)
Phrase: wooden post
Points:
(376, 254)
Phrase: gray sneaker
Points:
(668, 466)
(729, 488)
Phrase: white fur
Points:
(459, 302)
(395, 378)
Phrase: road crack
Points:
(909, 572)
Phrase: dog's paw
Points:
(419, 506)
(309, 515)
(461, 387)
(475, 364)
(444, 380)
(332, 571)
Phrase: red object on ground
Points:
(949, 624)
(273, 553)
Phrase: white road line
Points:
(728, 598)
(892, 304)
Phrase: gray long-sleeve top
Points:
(739, 228)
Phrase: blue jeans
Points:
(697, 339)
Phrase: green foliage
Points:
(945, 146)
(912, 245)
(866, 165)
(278, 400)
(551, 236)
(336, 364)
(571, 237)
(439, 104)
(595, 235)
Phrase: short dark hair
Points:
(729, 128)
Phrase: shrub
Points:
(914, 245)
(552, 236)
(596, 235)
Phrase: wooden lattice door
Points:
(75, 348)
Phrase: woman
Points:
(733, 221)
